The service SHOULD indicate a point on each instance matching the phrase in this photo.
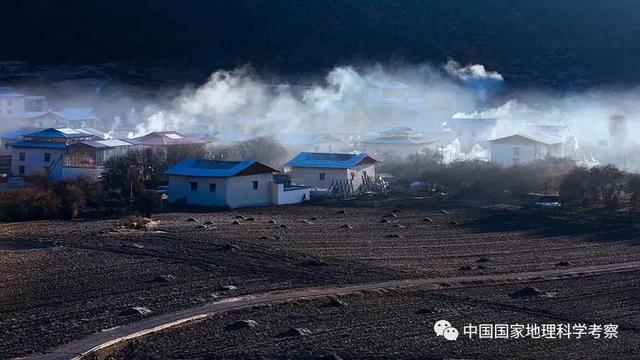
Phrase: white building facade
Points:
(42, 152)
(228, 184)
(521, 149)
(397, 142)
(321, 170)
(15, 105)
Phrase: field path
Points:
(110, 337)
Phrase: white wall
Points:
(180, 188)
(51, 121)
(311, 177)
(240, 190)
(292, 196)
(34, 161)
(503, 154)
(230, 192)
(11, 107)
(357, 172)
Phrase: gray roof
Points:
(163, 138)
(104, 143)
(397, 141)
(529, 137)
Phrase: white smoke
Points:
(470, 72)
(349, 100)
(238, 104)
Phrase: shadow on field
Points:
(541, 226)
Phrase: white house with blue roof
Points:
(42, 152)
(229, 184)
(320, 170)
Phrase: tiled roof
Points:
(161, 138)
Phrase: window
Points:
(194, 186)
(212, 187)
(22, 156)
(21, 169)
(9, 102)
(322, 176)
(516, 151)
(47, 157)
(8, 111)
(255, 185)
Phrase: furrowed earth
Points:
(64, 281)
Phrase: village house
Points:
(391, 94)
(321, 170)
(89, 158)
(397, 142)
(229, 184)
(520, 149)
(41, 152)
(15, 105)
(315, 142)
(74, 118)
(164, 139)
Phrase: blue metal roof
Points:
(209, 168)
(18, 133)
(58, 133)
(38, 144)
(327, 160)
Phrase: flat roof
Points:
(103, 143)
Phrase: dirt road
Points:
(110, 337)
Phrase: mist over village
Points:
(359, 180)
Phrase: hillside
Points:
(543, 42)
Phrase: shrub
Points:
(29, 204)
